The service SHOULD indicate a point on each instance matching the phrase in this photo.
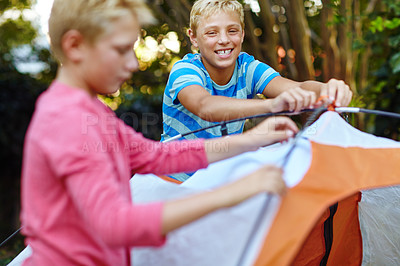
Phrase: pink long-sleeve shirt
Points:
(76, 201)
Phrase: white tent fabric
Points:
(379, 215)
(226, 237)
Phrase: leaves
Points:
(395, 63)
(15, 4)
(26, 33)
(380, 24)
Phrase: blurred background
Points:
(354, 40)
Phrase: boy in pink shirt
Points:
(79, 157)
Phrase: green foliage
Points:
(26, 32)
(380, 24)
(395, 63)
(15, 33)
(139, 102)
(15, 4)
(383, 92)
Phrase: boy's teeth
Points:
(224, 52)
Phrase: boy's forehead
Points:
(219, 17)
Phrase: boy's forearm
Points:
(180, 212)
(216, 108)
(312, 85)
(223, 148)
(221, 108)
(267, 132)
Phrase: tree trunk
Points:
(251, 40)
(270, 37)
(364, 57)
(300, 37)
(331, 61)
(345, 39)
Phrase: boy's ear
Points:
(72, 45)
(193, 38)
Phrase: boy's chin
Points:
(108, 91)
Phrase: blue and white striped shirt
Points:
(249, 78)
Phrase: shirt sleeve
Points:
(148, 156)
(260, 75)
(183, 74)
(95, 187)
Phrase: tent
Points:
(342, 207)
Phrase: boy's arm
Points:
(269, 131)
(220, 108)
(180, 212)
(284, 90)
(284, 94)
(147, 156)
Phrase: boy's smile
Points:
(224, 52)
(219, 38)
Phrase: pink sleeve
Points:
(148, 156)
(116, 220)
(95, 187)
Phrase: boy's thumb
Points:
(282, 135)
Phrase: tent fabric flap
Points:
(335, 174)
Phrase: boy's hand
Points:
(267, 179)
(338, 91)
(293, 100)
(271, 130)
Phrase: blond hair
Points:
(206, 8)
(91, 18)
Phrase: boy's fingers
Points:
(344, 95)
(349, 96)
(288, 101)
(340, 91)
(274, 129)
(284, 134)
(333, 87)
(274, 180)
(337, 90)
(285, 123)
(298, 99)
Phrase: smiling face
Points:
(219, 38)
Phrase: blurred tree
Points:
(311, 39)
(18, 93)
(139, 102)
(381, 43)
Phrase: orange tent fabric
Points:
(335, 174)
(346, 245)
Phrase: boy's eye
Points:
(123, 50)
(211, 33)
(233, 31)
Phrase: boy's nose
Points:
(223, 38)
(132, 63)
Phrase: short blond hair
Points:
(91, 18)
(206, 8)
